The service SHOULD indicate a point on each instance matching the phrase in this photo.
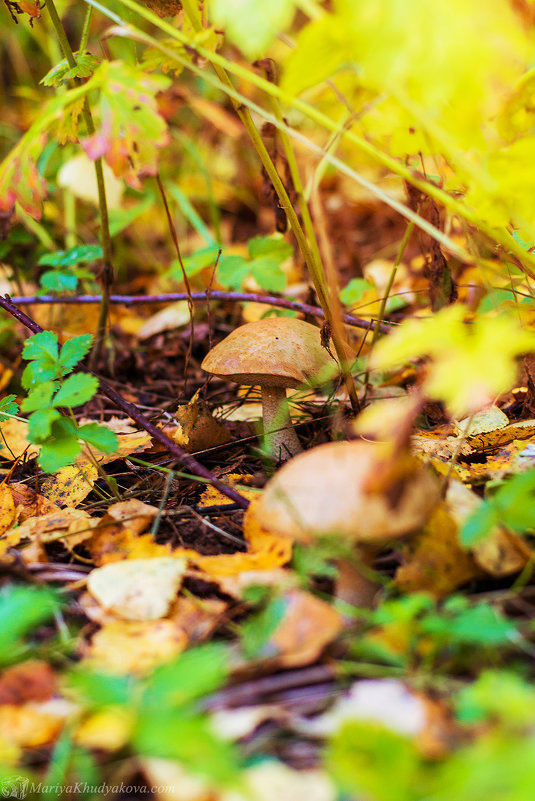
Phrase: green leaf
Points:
(74, 351)
(190, 740)
(57, 281)
(194, 675)
(76, 389)
(99, 437)
(354, 290)
(268, 275)
(275, 247)
(498, 695)
(40, 424)
(7, 407)
(478, 525)
(198, 261)
(100, 689)
(68, 258)
(257, 629)
(21, 610)
(61, 448)
(232, 271)
(39, 397)
(62, 73)
(41, 347)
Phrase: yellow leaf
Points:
(135, 646)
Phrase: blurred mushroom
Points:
(353, 489)
(274, 353)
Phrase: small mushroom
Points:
(274, 353)
(354, 489)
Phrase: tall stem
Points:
(308, 248)
(106, 277)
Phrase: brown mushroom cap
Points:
(276, 352)
(330, 490)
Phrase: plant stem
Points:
(388, 289)
(308, 247)
(107, 268)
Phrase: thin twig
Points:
(203, 297)
(131, 410)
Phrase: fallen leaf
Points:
(433, 560)
(108, 729)
(198, 617)
(71, 525)
(119, 528)
(33, 680)
(212, 497)
(70, 485)
(197, 429)
(14, 440)
(30, 503)
(7, 508)
(172, 317)
(137, 589)
(34, 724)
(135, 646)
(307, 627)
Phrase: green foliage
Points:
(415, 627)
(266, 254)
(512, 505)
(354, 290)
(8, 406)
(62, 73)
(22, 609)
(49, 391)
(256, 631)
(497, 696)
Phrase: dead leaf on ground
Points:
(137, 589)
(108, 729)
(120, 527)
(33, 680)
(30, 503)
(198, 617)
(212, 497)
(34, 724)
(14, 440)
(135, 646)
(73, 526)
(7, 508)
(197, 429)
(433, 560)
(70, 485)
(307, 627)
(169, 319)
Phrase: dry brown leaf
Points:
(70, 485)
(14, 440)
(197, 430)
(7, 508)
(33, 680)
(71, 525)
(118, 529)
(434, 561)
(212, 497)
(135, 646)
(169, 319)
(236, 585)
(164, 8)
(137, 589)
(307, 627)
(198, 618)
(29, 503)
(34, 724)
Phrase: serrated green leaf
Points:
(7, 407)
(61, 448)
(57, 281)
(74, 351)
(39, 397)
(80, 254)
(274, 247)
(268, 274)
(75, 390)
(232, 271)
(99, 437)
(40, 425)
(86, 63)
(42, 346)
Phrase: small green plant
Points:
(22, 610)
(66, 274)
(52, 389)
(512, 505)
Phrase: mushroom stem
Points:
(279, 433)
